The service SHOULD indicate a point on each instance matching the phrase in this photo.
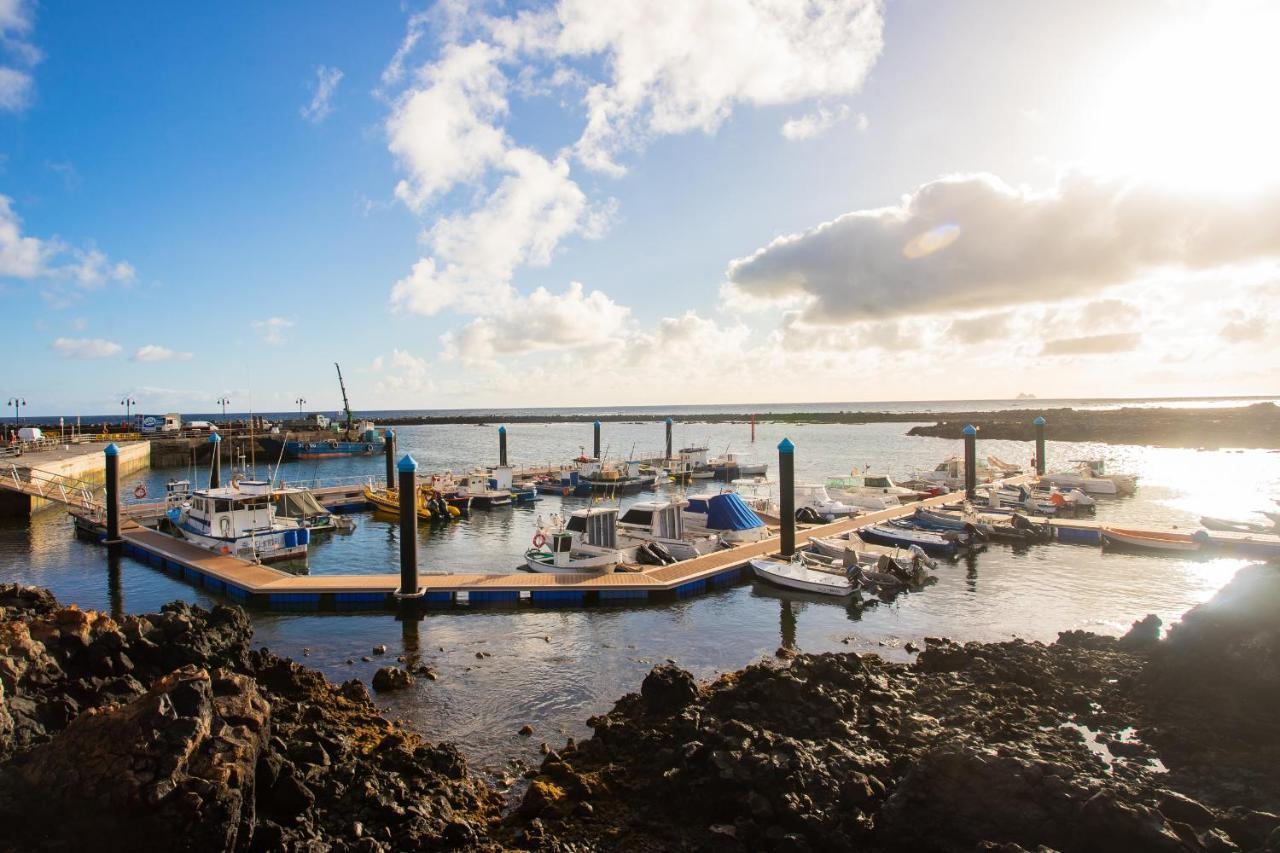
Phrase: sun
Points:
(1195, 106)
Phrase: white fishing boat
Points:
(869, 491)
(866, 553)
(732, 466)
(794, 575)
(587, 541)
(1090, 476)
(655, 531)
(725, 515)
(950, 473)
(814, 498)
(240, 520)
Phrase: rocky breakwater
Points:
(1086, 744)
(167, 731)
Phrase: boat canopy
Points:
(298, 504)
(730, 512)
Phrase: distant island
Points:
(1023, 395)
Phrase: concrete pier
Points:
(81, 464)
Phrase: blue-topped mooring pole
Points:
(408, 469)
(215, 467)
(389, 451)
(787, 495)
(970, 461)
(1039, 422)
(669, 454)
(596, 425)
(112, 459)
(502, 446)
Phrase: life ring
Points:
(306, 446)
(539, 539)
(140, 491)
(225, 550)
(368, 448)
(333, 445)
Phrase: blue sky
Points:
(486, 204)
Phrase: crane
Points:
(346, 407)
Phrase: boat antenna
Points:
(346, 407)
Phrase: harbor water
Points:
(499, 669)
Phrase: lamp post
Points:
(128, 403)
(301, 401)
(223, 401)
(16, 402)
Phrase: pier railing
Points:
(58, 488)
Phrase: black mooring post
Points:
(112, 473)
(215, 467)
(970, 461)
(389, 446)
(787, 495)
(1039, 422)
(502, 446)
(408, 469)
(669, 454)
(596, 426)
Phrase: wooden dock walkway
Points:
(273, 588)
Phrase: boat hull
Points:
(1148, 540)
(271, 547)
(792, 576)
(902, 538)
(332, 449)
(543, 562)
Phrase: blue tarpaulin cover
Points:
(729, 512)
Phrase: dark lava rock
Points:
(668, 688)
(1145, 633)
(391, 678)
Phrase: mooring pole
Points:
(1039, 422)
(970, 461)
(215, 468)
(597, 445)
(753, 429)
(670, 455)
(112, 459)
(389, 446)
(502, 446)
(408, 469)
(787, 495)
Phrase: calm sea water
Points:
(554, 668)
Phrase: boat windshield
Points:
(577, 524)
(878, 482)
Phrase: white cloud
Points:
(405, 372)
(327, 80)
(16, 85)
(975, 242)
(26, 257)
(85, 348)
(20, 257)
(153, 352)
(681, 65)
(273, 329)
(817, 123)
(542, 321)
(1093, 344)
(533, 208)
(442, 128)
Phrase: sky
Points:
(573, 203)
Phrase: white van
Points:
(30, 434)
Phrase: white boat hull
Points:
(793, 576)
(264, 548)
(1111, 536)
(545, 563)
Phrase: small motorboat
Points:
(794, 575)
(897, 536)
(1148, 540)
(587, 541)
(839, 547)
(1211, 523)
(429, 505)
(871, 570)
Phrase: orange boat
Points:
(1148, 540)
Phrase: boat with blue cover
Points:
(896, 536)
(726, 515)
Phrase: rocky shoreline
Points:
(168, 731)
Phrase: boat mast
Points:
(346, 407)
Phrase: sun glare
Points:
(1195, 106)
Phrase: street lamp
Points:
(15, 402)
(301, 401)
(128, 403)
(223, 401)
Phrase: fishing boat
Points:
(731, 466)
(360, 439)
(694, 462)
(1148, 540)
(486, 490)
(655, 529)
(240, 520)
(724, 515)
(794, 575)
(869, 491)
(851, 546)
(1017, 529)
(587, 541)
(1091, 477)
(426, 508)
(301, 504)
